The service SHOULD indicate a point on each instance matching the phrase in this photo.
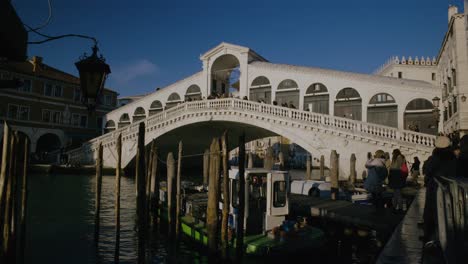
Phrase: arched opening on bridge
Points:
(173, 100)
(193, 93)
(260, 90)
(155, 107)
(316, 99)
(348, 104)
(139, 114)
(225, 74)
(124, 120)
(288, 93)
(418, 116)
(383, 110)
(110, 126)
(48, 143)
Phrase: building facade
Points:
(48, 107)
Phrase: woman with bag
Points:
(396, 179)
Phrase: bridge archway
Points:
(110, 126)
(225, 75)
(47, 143)
(317, 99)
(124, 120)
(288, 93)
(193, 93)
(418, 116)
(348, 104)
(139, 114)
(155, 107)
(383, 110)
(260, 90)
(173, 100)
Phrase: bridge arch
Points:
(124, 120)
(225, 76)
(383, 110)
(48, 142)
(155, 107)
(110, 126)
(173, 100)
(139, 114)
(193, 93)
(288, 93)
(418, 116)
(260, 90)
(317, 98)
(348, 104)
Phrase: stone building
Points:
(48, 107)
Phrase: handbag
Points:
(404, 170)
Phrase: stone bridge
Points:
(197, 122)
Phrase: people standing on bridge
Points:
(377, 172)
(415, 170)
(441, 163)
(396, 180)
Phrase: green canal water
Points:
(60, 228)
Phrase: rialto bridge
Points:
(326, 109)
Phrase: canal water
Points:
(60, 228)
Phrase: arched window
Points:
(317, 99)
(193, 93)
(173, 100)
(260, 90)
(419, 117)
(124, 120)
(156, 106)
(348, 104)
(110, 126)
(139, 114)
(288, 93)
(383, 110)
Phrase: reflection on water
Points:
(60, 224)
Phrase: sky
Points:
(153, 43)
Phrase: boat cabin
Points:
(266, 199)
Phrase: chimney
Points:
(36, 62)
(452, 10)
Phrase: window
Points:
(83, 121)
(46, 115)
(26, 87)
(445, 114)
(56, 117)
(454, 77)
(58, 91)
(48, 89)
(449, 82)
(75, 120)
(433, 76)
(455, 107)
(99, 123)
(400, 75)
(12, 111)
(108, 99)
(450, 110)
(279, 194)
(77, 95)
(24, 112)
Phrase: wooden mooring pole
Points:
(281, 161)
(4, 176)
(206, 165)
(268, 161)
(250, 162)
(309, 167)
(178, 190)
(334, 174)
(226, 196)
(154, 190)
(322, 167)
(352, 169)
(24, 201)
(8, 213)
(140, 176)
(241, 195)
(170, 195)
(97, 206)
(213, 198)
(118, 169)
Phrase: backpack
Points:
(404, 170)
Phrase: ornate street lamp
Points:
(93, 72)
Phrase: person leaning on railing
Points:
(441, 163)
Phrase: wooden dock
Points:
(346, 213)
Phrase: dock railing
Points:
(452, 218)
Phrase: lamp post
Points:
(93, 72)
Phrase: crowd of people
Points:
(449, 159)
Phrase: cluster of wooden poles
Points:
(147, 194)
(13, 196)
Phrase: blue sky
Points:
(153, 43)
